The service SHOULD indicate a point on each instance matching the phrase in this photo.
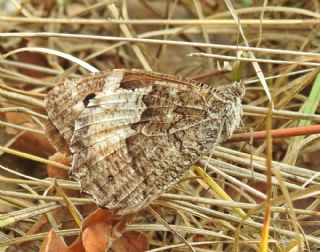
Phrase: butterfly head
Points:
(239, 88)
(222, 95)
(233, 109)
(224, 104)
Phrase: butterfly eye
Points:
(87, 99)
(110, 178)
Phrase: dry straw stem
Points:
(39, 236)
(291, 177)
(244, 158)
(218, 56)
(302, 23)
(278, 113)
(52, 52)
(21, 78)
(22, 99)
(115, 13)
(246, 174)
(42, 197)
(218, 190)
(26, 213)
(41, 183)
(170, 228)
(230, 179)
(230, 204)
(76, 215)
(155, 41)
(130, 227)
(37, 68)
(23, 110)
(34, 158)
(165, 248)
(18, 91)
(267, 203)
(220, 15)
(208, 213)
(14, 126)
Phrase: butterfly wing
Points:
(138, 135)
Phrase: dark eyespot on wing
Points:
(88, 98)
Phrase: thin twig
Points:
(154, 41)
(34, 158)
(277, 133)
(194, 22)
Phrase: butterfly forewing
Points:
(65, 103)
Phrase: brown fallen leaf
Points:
(34, 59)
(56, 172)
(100, 231)
(94, 239)
(34, 144)
(29, 142)
(131, 241)
(53, 242)
(16, 118)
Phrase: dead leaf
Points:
(34, 144)
(97, 238)
(131, 241)
(99, 231)
(34, 59)
(100, 216)
(53, 242)
(56, 172)
(17, 118)
(29, 142)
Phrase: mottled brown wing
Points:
(140, 133)
(64, 103)
(133, 134)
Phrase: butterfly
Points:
(133, 134)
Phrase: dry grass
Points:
(245, 196)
